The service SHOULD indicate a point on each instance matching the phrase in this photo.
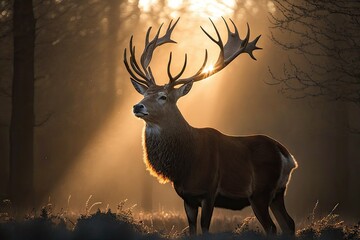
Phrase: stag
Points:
(207, 168)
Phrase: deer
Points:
(207, 168)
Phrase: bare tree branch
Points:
(324, 38)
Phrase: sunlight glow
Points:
(147, 5)
(204, 8)
(174, 4)
(213, 9)
(249, 4)
(208, 69)
(271, 7)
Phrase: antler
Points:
(144, 74)
(228, 52)
(233, 47)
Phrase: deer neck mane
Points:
(167, 148)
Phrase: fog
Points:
(88, 141)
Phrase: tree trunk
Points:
(21, 182)
(112, 48)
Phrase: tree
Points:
(22, 113)
(324, 39)
(56, 24)
(24, 29)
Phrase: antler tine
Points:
(182, 70)
(142, 73)
(233, 47)
(167, 36)
(228, 29)
(133, 76)
(134, 63)
(151, 75)
(198, 75)
(147, 36)
(200, 71)
(135, 66)
(168, 68)
(157, 41)
(149, 49)
(251, 46)
(219, 41)
(204, 63)
(150, 46)
(171, 78)
(246, 40)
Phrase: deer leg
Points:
(207, 207)
(191, 213)
(277, 206)
(260, 205)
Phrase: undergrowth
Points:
(122, 224)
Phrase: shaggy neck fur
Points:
(167, 149)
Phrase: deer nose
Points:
(138, 107)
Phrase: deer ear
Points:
(184, 89)
(140, 88)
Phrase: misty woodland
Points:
(215, 119)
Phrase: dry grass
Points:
(124, 224)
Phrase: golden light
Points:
(113, 157)
(204, 8)
(174, 4)
(208, 69)
(147, 5)
(271, 7)
(213, 9)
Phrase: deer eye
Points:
(163, 97)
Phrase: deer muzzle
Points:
(140, 110)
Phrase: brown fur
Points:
(237, 165)
(163, 156)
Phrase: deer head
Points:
(159, 100)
